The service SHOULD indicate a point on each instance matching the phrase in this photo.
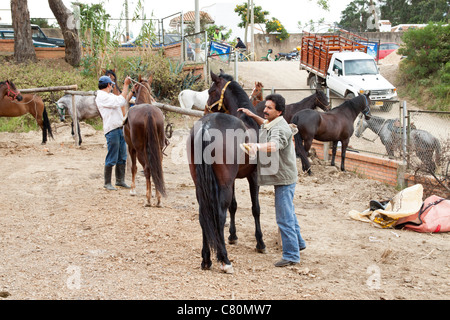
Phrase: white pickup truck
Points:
(346, 69)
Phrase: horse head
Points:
(361, 126)
(11, 91)
(143, 90)
(322, 100)
(366, 105)
(216, 99)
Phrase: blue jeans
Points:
(291, 238)
(117, 148)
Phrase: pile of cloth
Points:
(407, 210)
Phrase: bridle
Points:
(366, 110)
(220, 101)
(321, 103)
(11, 94)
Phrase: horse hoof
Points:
(234, 241)
(147, 205)
(133, 192)
(227, 268)
(261, 250)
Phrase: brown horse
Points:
(144, 134)
(13, 104)
(257, 94)
(216, 161)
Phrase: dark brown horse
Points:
(13, 104)
(316, 100)
(144, 134)
(216, 160)
(334, 125)
(257, 94)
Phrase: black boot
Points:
(108, 173)
(120, 176)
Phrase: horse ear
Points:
(222, 72)
(214, 77)
(150, 79)
(139, 78)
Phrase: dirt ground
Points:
(62, 236)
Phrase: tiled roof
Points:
(189, 17)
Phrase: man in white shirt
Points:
(109, 106)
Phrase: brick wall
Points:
(371, 167)
(7, 48)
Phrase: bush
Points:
(426, 70)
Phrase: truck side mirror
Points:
(336, 72)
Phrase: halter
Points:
(10, 91)
(321, 103)
(366, 111)
(220, 101)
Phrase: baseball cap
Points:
(105, 80)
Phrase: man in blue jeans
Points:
(109, 106)
(277, 166)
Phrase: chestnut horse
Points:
(17, 105)
(216, 163)
(145, 137)
(257, 94)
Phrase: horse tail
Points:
(47, 127)
(208, 196)
(180, 98)
(154, 152)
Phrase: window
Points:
(337, 65)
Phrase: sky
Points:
(289, 12)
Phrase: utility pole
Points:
(252, 19)
(127, 25)
(197, 31)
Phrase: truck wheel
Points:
(313, 84)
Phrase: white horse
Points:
(86, 109)
(189, 99)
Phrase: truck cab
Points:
(342, 64)
(353, 73)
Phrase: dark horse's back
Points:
(214, 161)
(144, 131)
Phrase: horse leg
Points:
(79, 134)
(343, 153)
(206, 253)
(233, 239)
(158, 198)
(148, 193)
(304, 151)
(256, 211)
(333, 152)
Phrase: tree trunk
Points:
(67, 23)
(23, 44)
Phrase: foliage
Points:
(416, 11)
(275, 26)
(259, 15)
(355, 16)
(272, 25)
(426, 70)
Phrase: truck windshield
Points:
(360, 67)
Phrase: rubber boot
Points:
(108, 173)
(120, 176)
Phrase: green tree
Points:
(355, 16)
(275, 26)
(415, 11)
(259, 16)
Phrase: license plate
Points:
(378, 103)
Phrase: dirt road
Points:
(62, 236)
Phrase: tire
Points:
(314, 84)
